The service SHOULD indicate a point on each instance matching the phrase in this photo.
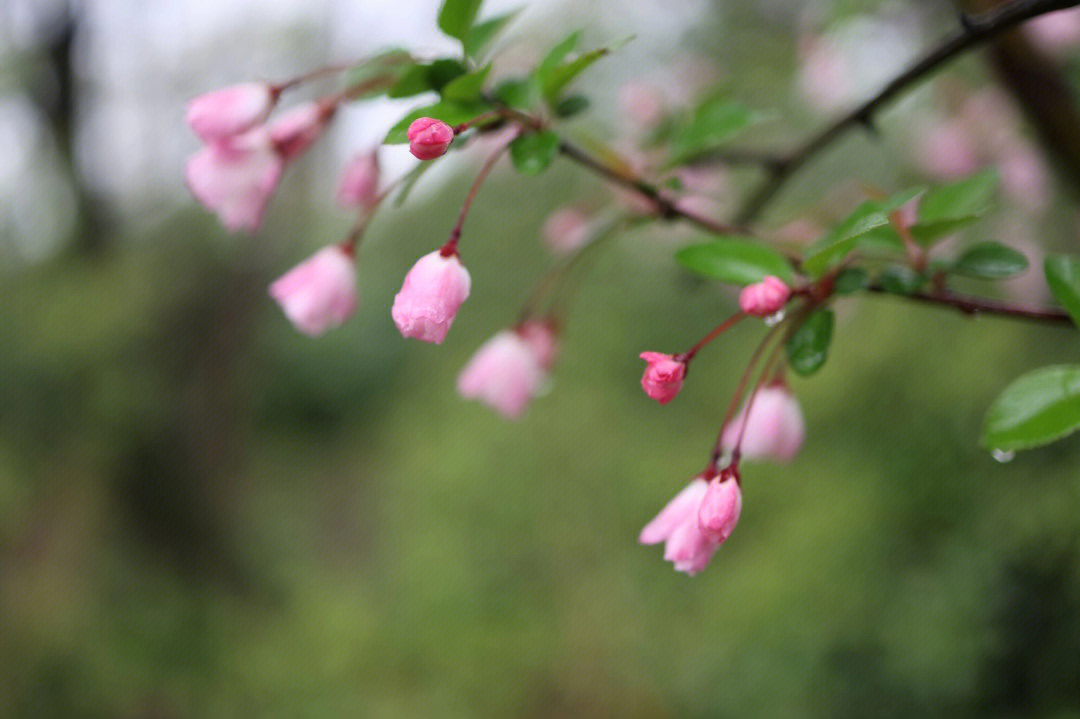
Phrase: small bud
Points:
(720, 508)
(430, 297)
(543, 340)
(235, 177)
(429, 138)
(299, 128)
(319, 293)
(359, 185)
(566, 229)
(230, 110)
(663, 377)
(505, 373)
(775, 428)
(764, 298)
(686, 545)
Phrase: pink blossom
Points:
(299, 128)
(542, 339)
(429, 138)
(690, 543)
(824, 74)
(230, 110)
(359, 185)
(764, 298)
(319, 293)
(775, 429)
(721, 506)
(566, 229)
(505, 373)
(945, 150)
(641, 103)
(1024, 176)
(663, 377)
(235, 177)
(430, 297)
(1055, 32)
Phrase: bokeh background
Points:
(205, 514)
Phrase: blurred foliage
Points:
(206, 514)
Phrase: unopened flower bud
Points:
(720, 507)
(775, 428)
(231, 110)
(299, 128)
(359, 185)
(429, 138)
(429, 298)
(764, 298)
(663, 377)
(319, 293)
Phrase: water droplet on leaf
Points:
(775, 318)
(1002, 455)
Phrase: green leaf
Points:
(466, 87)
(990, 261)
(808, 346)
(558, 53)
(927, 233)
(571, 106)
(900, 280)
(457, 17)
(1063, 277)
(967, 198)
(734, 261)
(1036, 409)
(518, 92)
(868, 223)
(391, 64)
(851, 280)
(713, 123)
(483, 33)
(424, 77)
(452, 113)
(532, 153)
(554, 80)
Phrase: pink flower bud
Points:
(543, 340)
(663, 377)
(775, 429)
(687, 546)
(764, 298)
(505, 374)
(235, 177)
(641, 103)
(429, 138)
(430, 297)
(720, 508)
(566, 229)
(946, 150)
(230, 110)
(359, 185)
(299, 128)
(319, 293)
(1055, 32)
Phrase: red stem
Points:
(450, 248)
(727, 324)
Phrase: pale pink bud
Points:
(299, 128)
(764, 298)
(720, 508)
(775, 429)
(319, 293)
(230, 110)
(687, 546)
(641, 103)
(1056, 31)
(945, 150)
(663, 377)
(1024, 176)
(504, 374)
(235, 177)
(359, 185)
(566, 229)
(430, 297)
(543, 340)
(429, 138)
(825, 78)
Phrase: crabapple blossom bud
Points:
(505, 374)
(566, 229)
(687, 545)
(663, 377)
(720, 507)
(319, 293)
(825, 78)
(543, 340)
(429, 298)
(299, 128)
(429, 138)
(359, 185)
(946, 150)
(235, 177)
(230, 110)
(774, 430)
(641, 103)
(764, 298)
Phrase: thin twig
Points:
(977, 305)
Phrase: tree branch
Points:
(975, 31)
(970, 305)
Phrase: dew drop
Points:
(774, 319)
(1002, 455)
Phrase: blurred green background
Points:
(205, 514)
